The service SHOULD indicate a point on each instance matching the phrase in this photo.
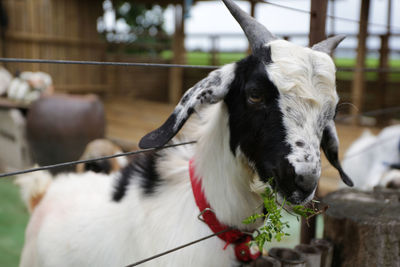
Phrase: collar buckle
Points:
(200, 216)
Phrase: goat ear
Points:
(210, 90)
(330, 146)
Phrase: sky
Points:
(212, 17)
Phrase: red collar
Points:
(236, 237)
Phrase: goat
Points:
(100, 148)
(264, 116)
(34, 185)
(370, 158)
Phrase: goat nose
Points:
(307, 183)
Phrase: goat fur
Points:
(77, 223)
(369, 158)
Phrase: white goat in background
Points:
(264, 116)
(369, 160)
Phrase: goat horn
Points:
(256, 33)
(328, 45)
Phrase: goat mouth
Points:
(296, 197)
(293, 195)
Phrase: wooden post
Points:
(176, 74)
(384, 64)
(383, 75)
(358, 86)
(3, 28)
(364, 227)
(34, 27)
(317, 21)
(214, 50)
(332, 13)
(317, 34)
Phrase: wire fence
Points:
(64, 164)
(104, 63)
(159, 65)
(368, 113)
(20, 60)
(178, 248)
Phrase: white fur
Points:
(368, 158)
(77, 223)
(306, 81)
(33, 185)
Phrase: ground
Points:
(13, 220)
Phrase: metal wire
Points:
(130, 64)
(64, 164)
(177, 248)
(91, 160)
(373, 112)
(104, 63)
(199, 240)
(158, 65)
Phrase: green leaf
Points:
(274, 227)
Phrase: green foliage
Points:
(274, 228)
(303, 211)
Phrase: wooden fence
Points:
(67, 29)
(56, 29)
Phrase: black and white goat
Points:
(270, 114)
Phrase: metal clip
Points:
(201, 214)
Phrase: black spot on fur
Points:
(189, 112)
(99, 166)
(186, 97)
(142, 167)
(300, 143)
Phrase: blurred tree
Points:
(125, 21)
(144, 19)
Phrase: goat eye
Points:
(255, 98)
